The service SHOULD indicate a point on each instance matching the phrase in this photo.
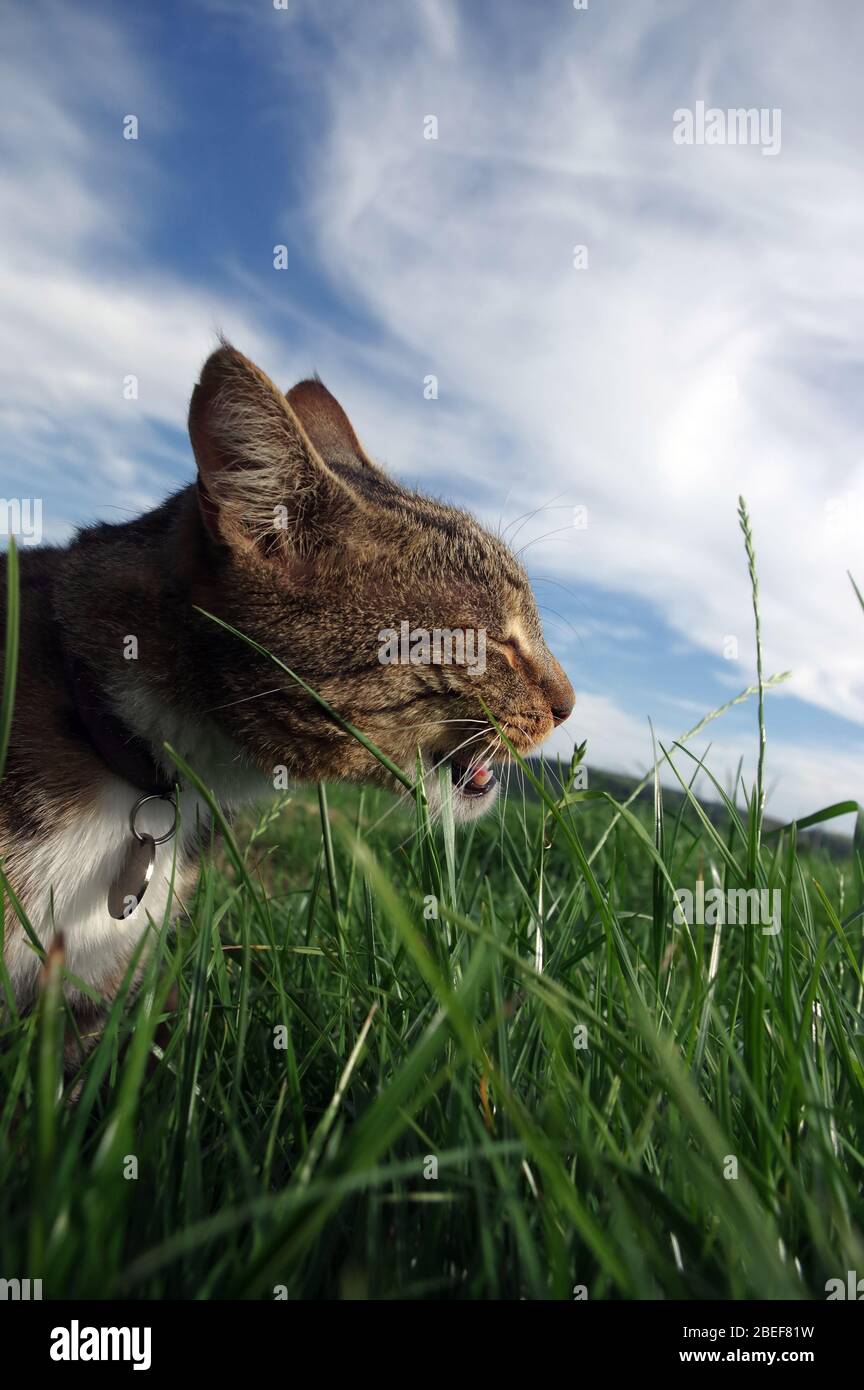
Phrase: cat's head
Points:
(404, 614)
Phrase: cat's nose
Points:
(559, 692)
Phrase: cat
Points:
(296, 538)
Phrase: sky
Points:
(627, 332)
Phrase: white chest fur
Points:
(64, 879)
(67, 878)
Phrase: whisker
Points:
(554, 611)
(410, 792)
(485, 755)
(545, 579)
(475, 762)
(430, 723)
(545, 507)
(544, 537)
(503, 507)
(242, 701)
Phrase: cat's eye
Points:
(513, 654)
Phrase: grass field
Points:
(549, 1087)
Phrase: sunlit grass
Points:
(663, 1110)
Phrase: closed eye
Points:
(513, 653)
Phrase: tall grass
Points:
(370, 1088)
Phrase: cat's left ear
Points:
(327, 425)
(262, 483)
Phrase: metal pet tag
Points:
(134, 877)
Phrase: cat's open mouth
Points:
(471, 778)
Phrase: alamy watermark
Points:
(21, 517)
(77, 1343)
(750, 907)
(701, 125)
(851, 1287)
(437, 646)
(20, 1290)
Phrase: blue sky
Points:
(711, 346)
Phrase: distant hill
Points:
(621, 787)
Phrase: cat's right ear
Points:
(262, 485)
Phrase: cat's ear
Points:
(327, 425)
(261, 482)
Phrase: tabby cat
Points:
(293, 536)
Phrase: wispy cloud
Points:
(711, 346)
(83, 304)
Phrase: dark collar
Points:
(120, 749)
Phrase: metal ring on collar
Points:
(142, 800)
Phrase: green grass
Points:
(404, 1039)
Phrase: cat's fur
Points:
(296, 538)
